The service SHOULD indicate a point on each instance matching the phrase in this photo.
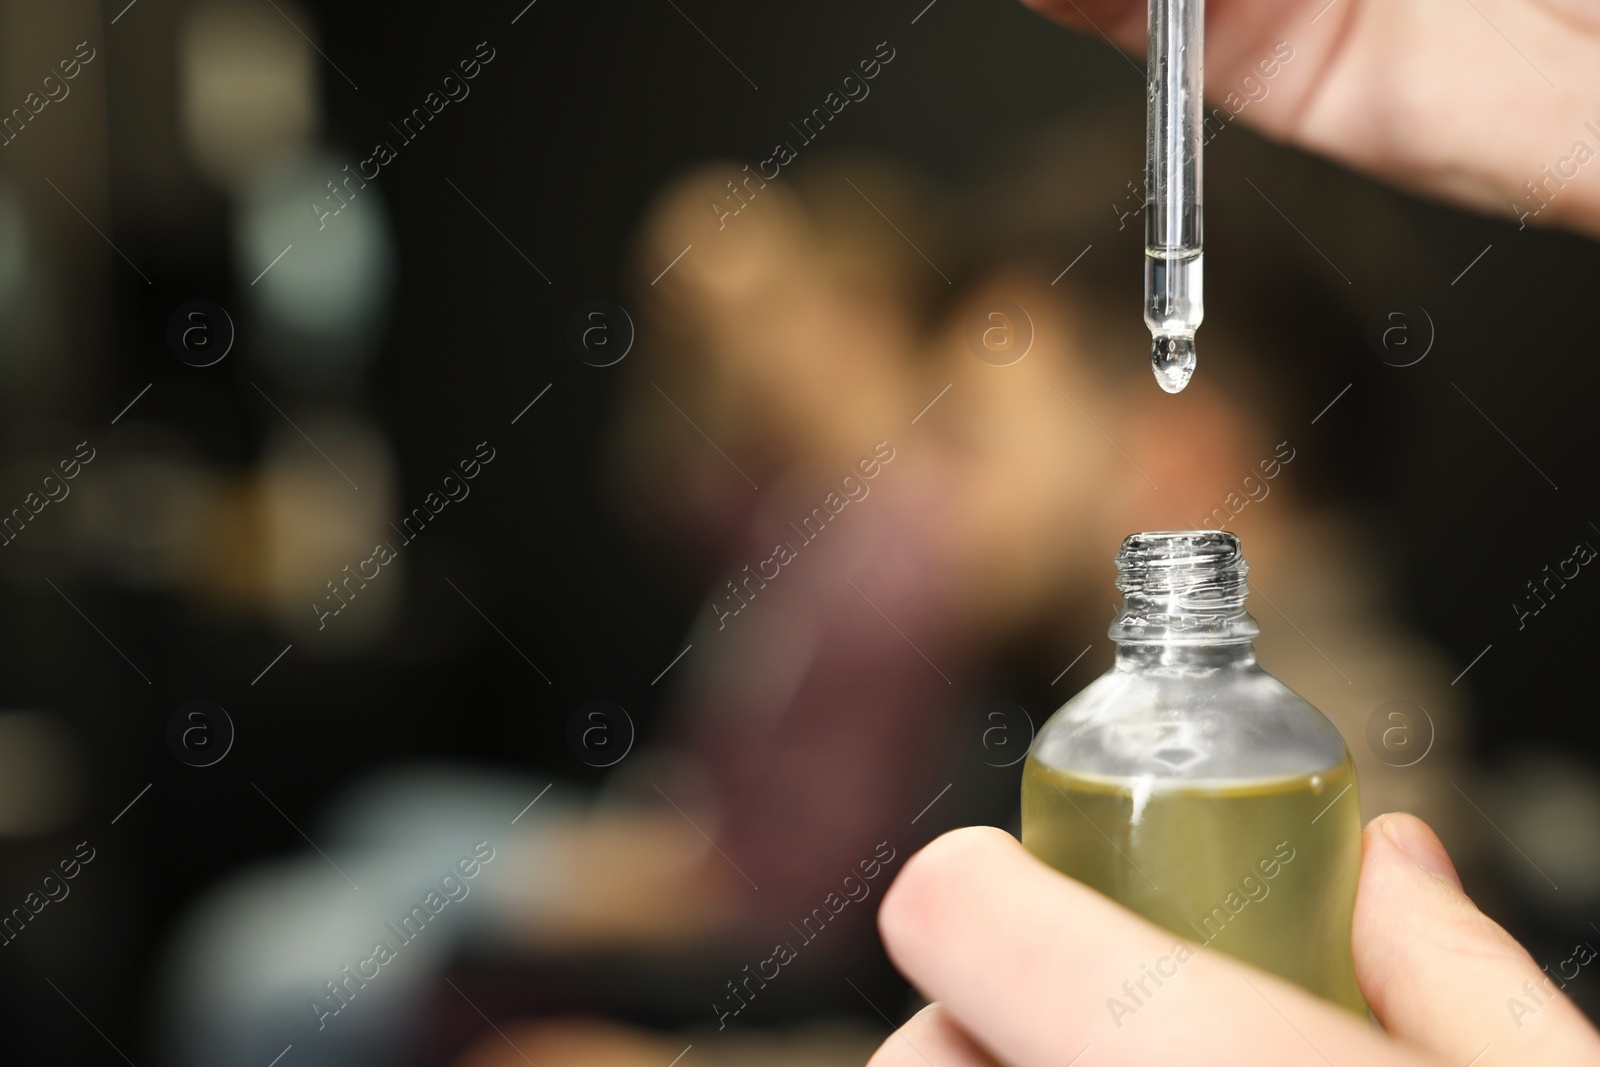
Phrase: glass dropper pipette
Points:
(1173, 304)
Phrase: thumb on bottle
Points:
(1441, 975)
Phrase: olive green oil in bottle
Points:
(1194, 788)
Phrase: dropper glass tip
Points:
(1172, 360)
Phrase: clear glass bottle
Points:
(1196, 789)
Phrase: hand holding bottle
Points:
(1464, 102)
(1023, 961)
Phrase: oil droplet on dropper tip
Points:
(1172, 360)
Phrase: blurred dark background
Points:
(163, 578)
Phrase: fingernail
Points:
(1420, 846)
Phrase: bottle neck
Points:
(1148, 655)
(1183, 589)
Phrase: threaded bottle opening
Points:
(1182, 585)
